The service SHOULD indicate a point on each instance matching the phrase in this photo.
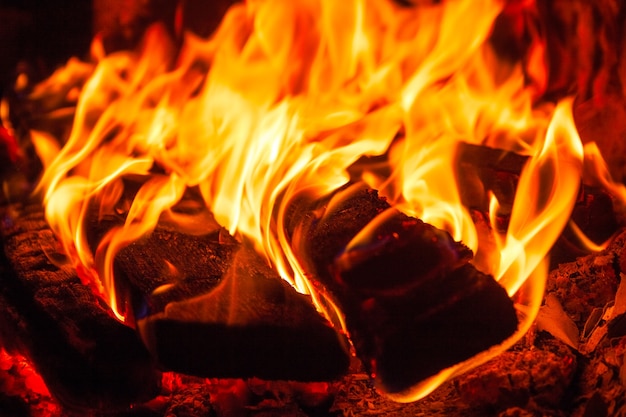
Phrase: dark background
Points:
(42, 34)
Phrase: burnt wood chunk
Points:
(207, 305)
(89, 360)
(413, 305)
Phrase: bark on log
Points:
(88, 359)
(413, 305)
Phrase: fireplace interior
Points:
(201, 320)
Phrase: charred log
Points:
(208, 306)
(413, 305)
(594, 215)
(87, 358)
(254, 324)
(483, 170)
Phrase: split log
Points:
(208, 306)
(413, 305)
(253, 324)
(88, 359)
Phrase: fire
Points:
(281, 101)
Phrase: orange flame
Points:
(283, 99)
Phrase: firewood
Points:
(207, 305)
(481, 169)
(595, 216)
(88, 359)
(413, 305)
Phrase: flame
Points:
(282, 100)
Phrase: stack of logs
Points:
(233, 317)
(572, 363)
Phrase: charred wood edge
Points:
(88, 360)
(440, 311)
(208, 306)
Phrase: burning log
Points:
(253, 324)
(91, 361)
(595, 216)
(483, 170)
(87, 358)
(206, 305)
(413, 304)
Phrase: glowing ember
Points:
(19, 380)
(18, 366)
(281, 101)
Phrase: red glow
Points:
(8, 142)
